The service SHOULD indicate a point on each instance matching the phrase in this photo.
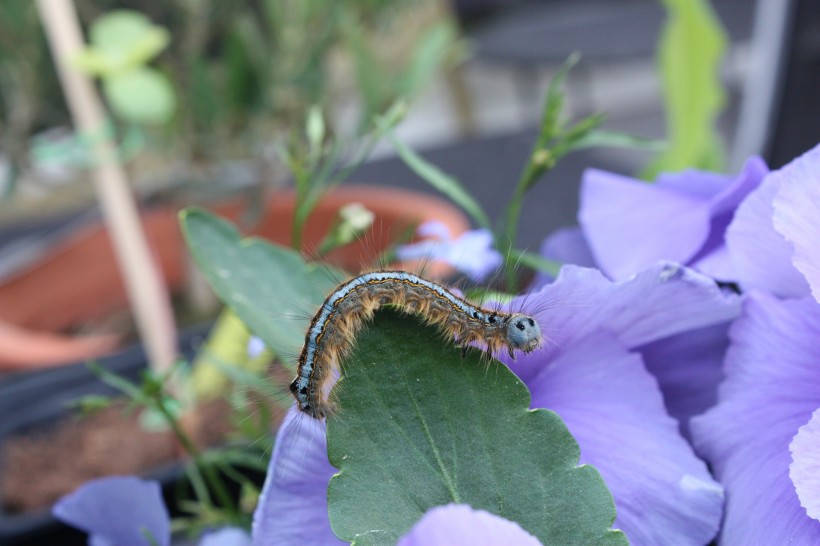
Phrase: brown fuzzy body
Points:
(333, 329)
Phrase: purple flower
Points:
(761, 437)
(255, 347)
(564, 246)
(592, 373)
(630, 224)
(460, 524)
(129, 511)
(292, 509)
(471, 253)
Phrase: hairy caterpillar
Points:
(335, 325)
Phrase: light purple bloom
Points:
(762, 438)
(117, 511)
(630, 224)
(292, 509)
(591, 372)
(122, 510)
(564, 246)
(797, 214)
(255, 347)
(805, 468)
(772, 389)
(471, 253)
(459, 524)
(762, 256)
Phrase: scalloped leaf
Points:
(419, 426)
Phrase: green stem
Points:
(205, 471)
(538, 165)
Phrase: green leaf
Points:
(419, 426)
(130, 33)
(430, 53)
(554, 99)
(142, 95)
(441, 181)
(122, 40)
(271, 288)
(602, 138)
(691, 50)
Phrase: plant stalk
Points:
(146, 290)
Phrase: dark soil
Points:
(38, 468)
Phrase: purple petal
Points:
(750, 177)
(761, 256)
(565, 246)
(630, 224)
(471, 253)
(713, 258)
(230, 536)
(460, 524)
(292, 509)
(797, 214)
(772, 388)
(682, 217)
(662, 301)
(117, 510)
(435, 229)
(255, 346)
(689, 368)
(568, 246)
(805, 468)
(700, 185)
(613, 407)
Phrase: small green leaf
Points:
(142, 95)
(691, 50)
(419, 426)
(128, 38)
(269, 287)
(554, 99)
(429, 55)
(441, 181)
(315, 128)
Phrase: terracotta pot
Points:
(79, 282)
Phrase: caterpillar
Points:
(334, 327)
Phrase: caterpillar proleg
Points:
(334, 327)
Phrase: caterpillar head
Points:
(523, 333)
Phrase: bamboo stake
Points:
(146, 290)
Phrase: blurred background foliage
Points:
(227, 80)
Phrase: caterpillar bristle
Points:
(333, 330)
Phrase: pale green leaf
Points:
(271, 288)
(126, 39)
(691, 50)
(441, 181)
(142, 95)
